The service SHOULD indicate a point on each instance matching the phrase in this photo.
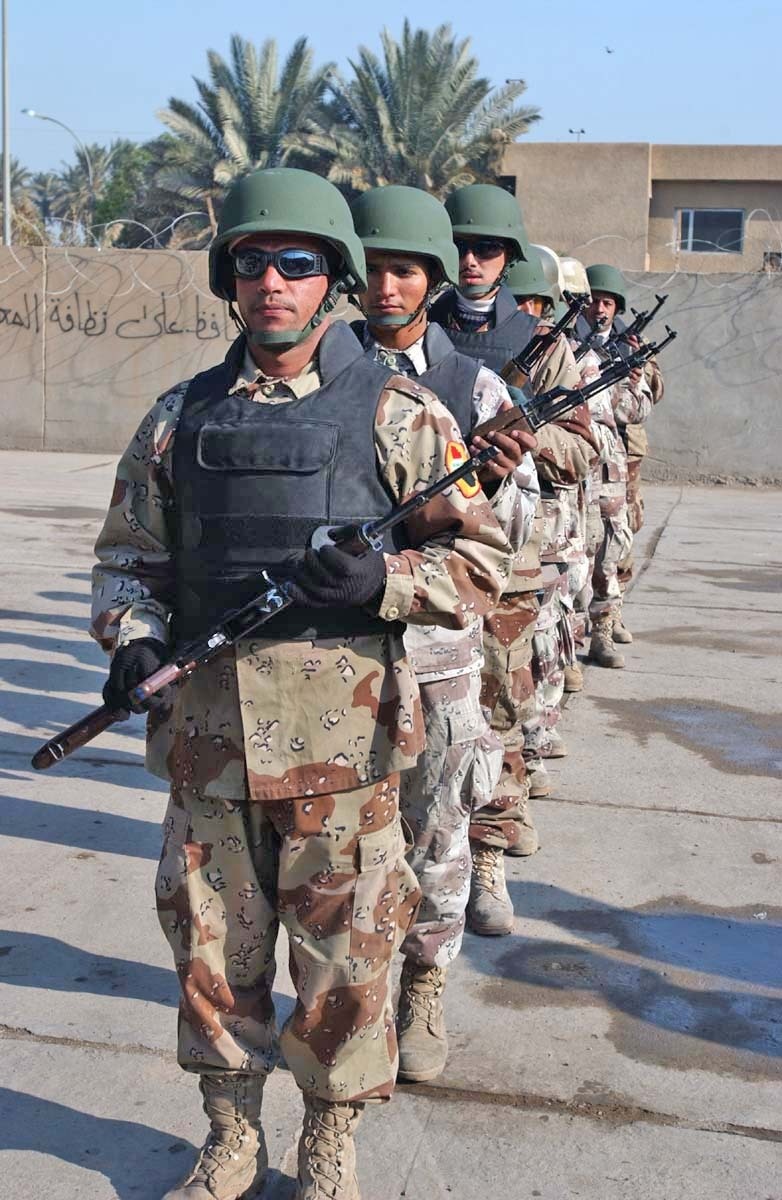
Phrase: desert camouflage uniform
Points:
(564, 458)
(631, 418)
(609, 538)
(500, 808)
(284, 760)
(436, 795)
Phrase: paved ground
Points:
(625, 1041)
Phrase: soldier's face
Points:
(274, 303)
(481, 260)
(601, 312)
(532, 305)
(396, 284)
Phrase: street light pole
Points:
(6, 137)
(30, 112)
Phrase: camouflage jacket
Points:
(273, 719)
(438, 653)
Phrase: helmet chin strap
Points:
(292, 337)
(391, 320)
(479, 291)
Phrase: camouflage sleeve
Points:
(633, 402)
(563, 457)
(558, 368)
(654, 377)
(132, 582)
(515, 501)
(460, 558)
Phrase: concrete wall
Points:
(88, 339)
(721, 417)
(616, 201)
(586, 199)
(762, 205)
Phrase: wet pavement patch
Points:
(752, 641)
(734, 740)
(685, 987)
(741, 578)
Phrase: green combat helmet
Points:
(603, 278)
(486, 211)
(409, 221)
(528, 278)
(287, 200)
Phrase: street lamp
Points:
(30, 112)
(578, 133)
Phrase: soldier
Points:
(596, 326)
(285, 752)
(563, 458)
(410, 254)
(483, 320)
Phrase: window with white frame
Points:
(711, 230)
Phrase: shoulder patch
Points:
(456, 453)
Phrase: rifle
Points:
(354, 539)
(525, 362)
(634, 330)
(554, 404)
(239, 622)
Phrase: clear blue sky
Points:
(680, 72)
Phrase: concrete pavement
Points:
(624, 1041)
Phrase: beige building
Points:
(653, 208)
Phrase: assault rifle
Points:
(272, 598)
(554, 404)
(519, 369)
(634, 330)
(275, 597)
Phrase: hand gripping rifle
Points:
(272, 598)
(519, 369)
(554, 404)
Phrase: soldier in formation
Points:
(417, 686)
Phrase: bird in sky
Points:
(609, 50)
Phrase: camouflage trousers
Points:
(552, 650)
(615, 545)
(635, 514)
(500, 788)
(435, 800)
(332, 868)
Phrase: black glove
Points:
(330, 578)
(131, 664)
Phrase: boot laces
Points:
(325, 1143)
(485, 868)
(422, 993)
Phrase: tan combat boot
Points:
(574, 678)
(601, 644)
(555, 746)
(620, 632)
(489, 910)
(526, 835)
(233, 1161)
(420, 1024)
(538, 779)
(327, 1152)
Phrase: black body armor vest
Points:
(252, 481)
(497, 346)
(450, 375)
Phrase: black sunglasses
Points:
(482, 248)
(292, 263)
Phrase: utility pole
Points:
(6, 137)
(578, 133)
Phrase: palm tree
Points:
(246, 117)
(423, 117)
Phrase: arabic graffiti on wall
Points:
(75, 313)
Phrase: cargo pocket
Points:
(385, 900)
